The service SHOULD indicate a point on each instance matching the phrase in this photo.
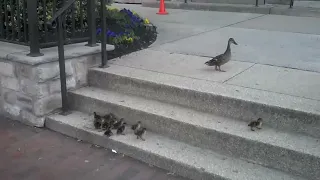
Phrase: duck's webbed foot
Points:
(221, 70)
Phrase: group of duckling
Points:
(111, 122)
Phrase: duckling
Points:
(107, 124)
(97, 120)
(110, 120)
(110, 116)
(255, 124)
(118, 124)
(136, 126)
(121, 129)
(108, 132)
(140, 133)
(222, 58)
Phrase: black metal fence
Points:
(45, 23)
(17, 15)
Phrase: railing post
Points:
(104, 59)
(91, 23)
(33, 28)
(291, 3)
(62, 67)
(257, 2)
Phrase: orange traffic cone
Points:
(162, 8)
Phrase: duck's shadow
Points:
(210, 69)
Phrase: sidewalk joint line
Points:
(239, 73)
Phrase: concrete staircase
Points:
(198, 129)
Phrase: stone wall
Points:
(30, 87)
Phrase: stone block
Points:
(31, 119)
(49, 71)
(34, 89)
(11, 110)
(9, 96)
(10, 83)
(0, 86)
(47, 104)
(7, 69)
(18, 99)
(25, 102)
(24, 70)
(94, 60)
(55, 85)
(43, 72)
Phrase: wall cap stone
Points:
(18, 53)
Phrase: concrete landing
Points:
(181, 65)
(276, 40)
(281, 80)
(268, 78)
(293, 50)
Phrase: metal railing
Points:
(25, 22)
(47, 23)
(291, 3)
(58, 21)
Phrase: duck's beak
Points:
(206, 63)
(235, 43)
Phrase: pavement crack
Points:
(239, 73)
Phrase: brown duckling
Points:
(255, 124)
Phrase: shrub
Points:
(127, 31)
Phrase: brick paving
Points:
(39, 154)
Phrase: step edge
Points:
(190, 124)
(92, 70)
(305, 119)
(264, 161)
(51, 122)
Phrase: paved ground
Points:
(309, 4)
(30, 154)
(275, 53)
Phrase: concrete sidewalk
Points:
(278, 54)
(299, 9)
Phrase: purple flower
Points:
(109, 33)
(99, 31)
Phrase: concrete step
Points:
(279, 111)
(157, 150)
(293, 153)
